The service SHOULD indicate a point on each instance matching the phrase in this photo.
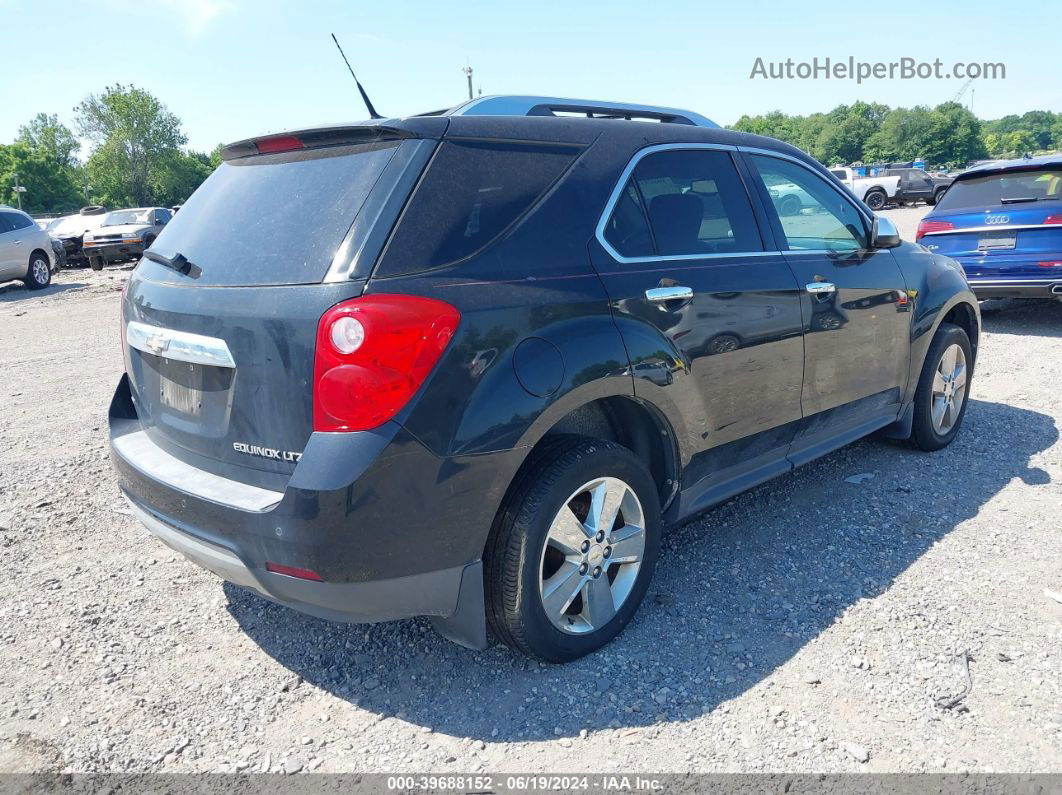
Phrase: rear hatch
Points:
(221, 316)
(1005, 223)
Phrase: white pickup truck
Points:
(875, 191)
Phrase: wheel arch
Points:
(624, 419)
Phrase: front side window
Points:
(824, 219)
(693, 203)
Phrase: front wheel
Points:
(876, 200)
(943, 387)
(574, 551)
(39, 274)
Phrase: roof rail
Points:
(556, 106)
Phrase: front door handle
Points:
(659, 295)
(821, 288)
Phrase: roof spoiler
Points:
(325, 136)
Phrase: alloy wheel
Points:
(40, 271)
(592, 555)
(949, 389)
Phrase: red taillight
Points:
(281, 143)
(293, 571)
(373, 354)
(925, 227)
(1053, 219)
(1054, 263)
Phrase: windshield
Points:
(274, 219)
(119, 217)
(1009, 187)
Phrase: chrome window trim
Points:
(617, 192)
(182, 346)
(993, 228)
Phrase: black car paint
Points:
(545, 332)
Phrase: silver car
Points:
(124, 234)
(25, 250)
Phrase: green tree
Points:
(48, 187)
(1018, 142)
(178, 175)
(136, 137)
(46, 135)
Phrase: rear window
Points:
(1010, 187)
(272, 219)
(471, 193)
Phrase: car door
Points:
(919, 184)
(856, 311)
(8, 248)
(715, 313)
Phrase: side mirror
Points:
(884, 233)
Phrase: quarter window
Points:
(683, 203)
(813, 215)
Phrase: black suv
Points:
(471, 365)
(916, 185)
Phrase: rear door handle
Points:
(659, 295)
(821, 288)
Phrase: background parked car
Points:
(875, 191)
(124, 234)
(70, 231)
(917, 185)
(25, 250)
(1003, 222)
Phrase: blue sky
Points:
(235, 68)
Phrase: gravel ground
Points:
(816, 624)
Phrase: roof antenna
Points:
(368, 103)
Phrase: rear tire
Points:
(875, 200)
(573, 551)
(39, 273)
(943, 388)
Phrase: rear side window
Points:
(695, 205)
(471, 193)
(17, 221)
(5, 222)
(1011, 187)
(273, 219)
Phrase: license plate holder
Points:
(181, 387)
(997, 242)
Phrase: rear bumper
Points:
(985, 288)
(392, 530)
(433, 593)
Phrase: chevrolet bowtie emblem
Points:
(157, 343)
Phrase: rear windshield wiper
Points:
(178, 262)
(1018, 199)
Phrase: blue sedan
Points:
(1003, 222)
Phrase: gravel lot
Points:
(809, 625)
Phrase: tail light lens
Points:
(925, 227)
(373, 353)
(1053, 219)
